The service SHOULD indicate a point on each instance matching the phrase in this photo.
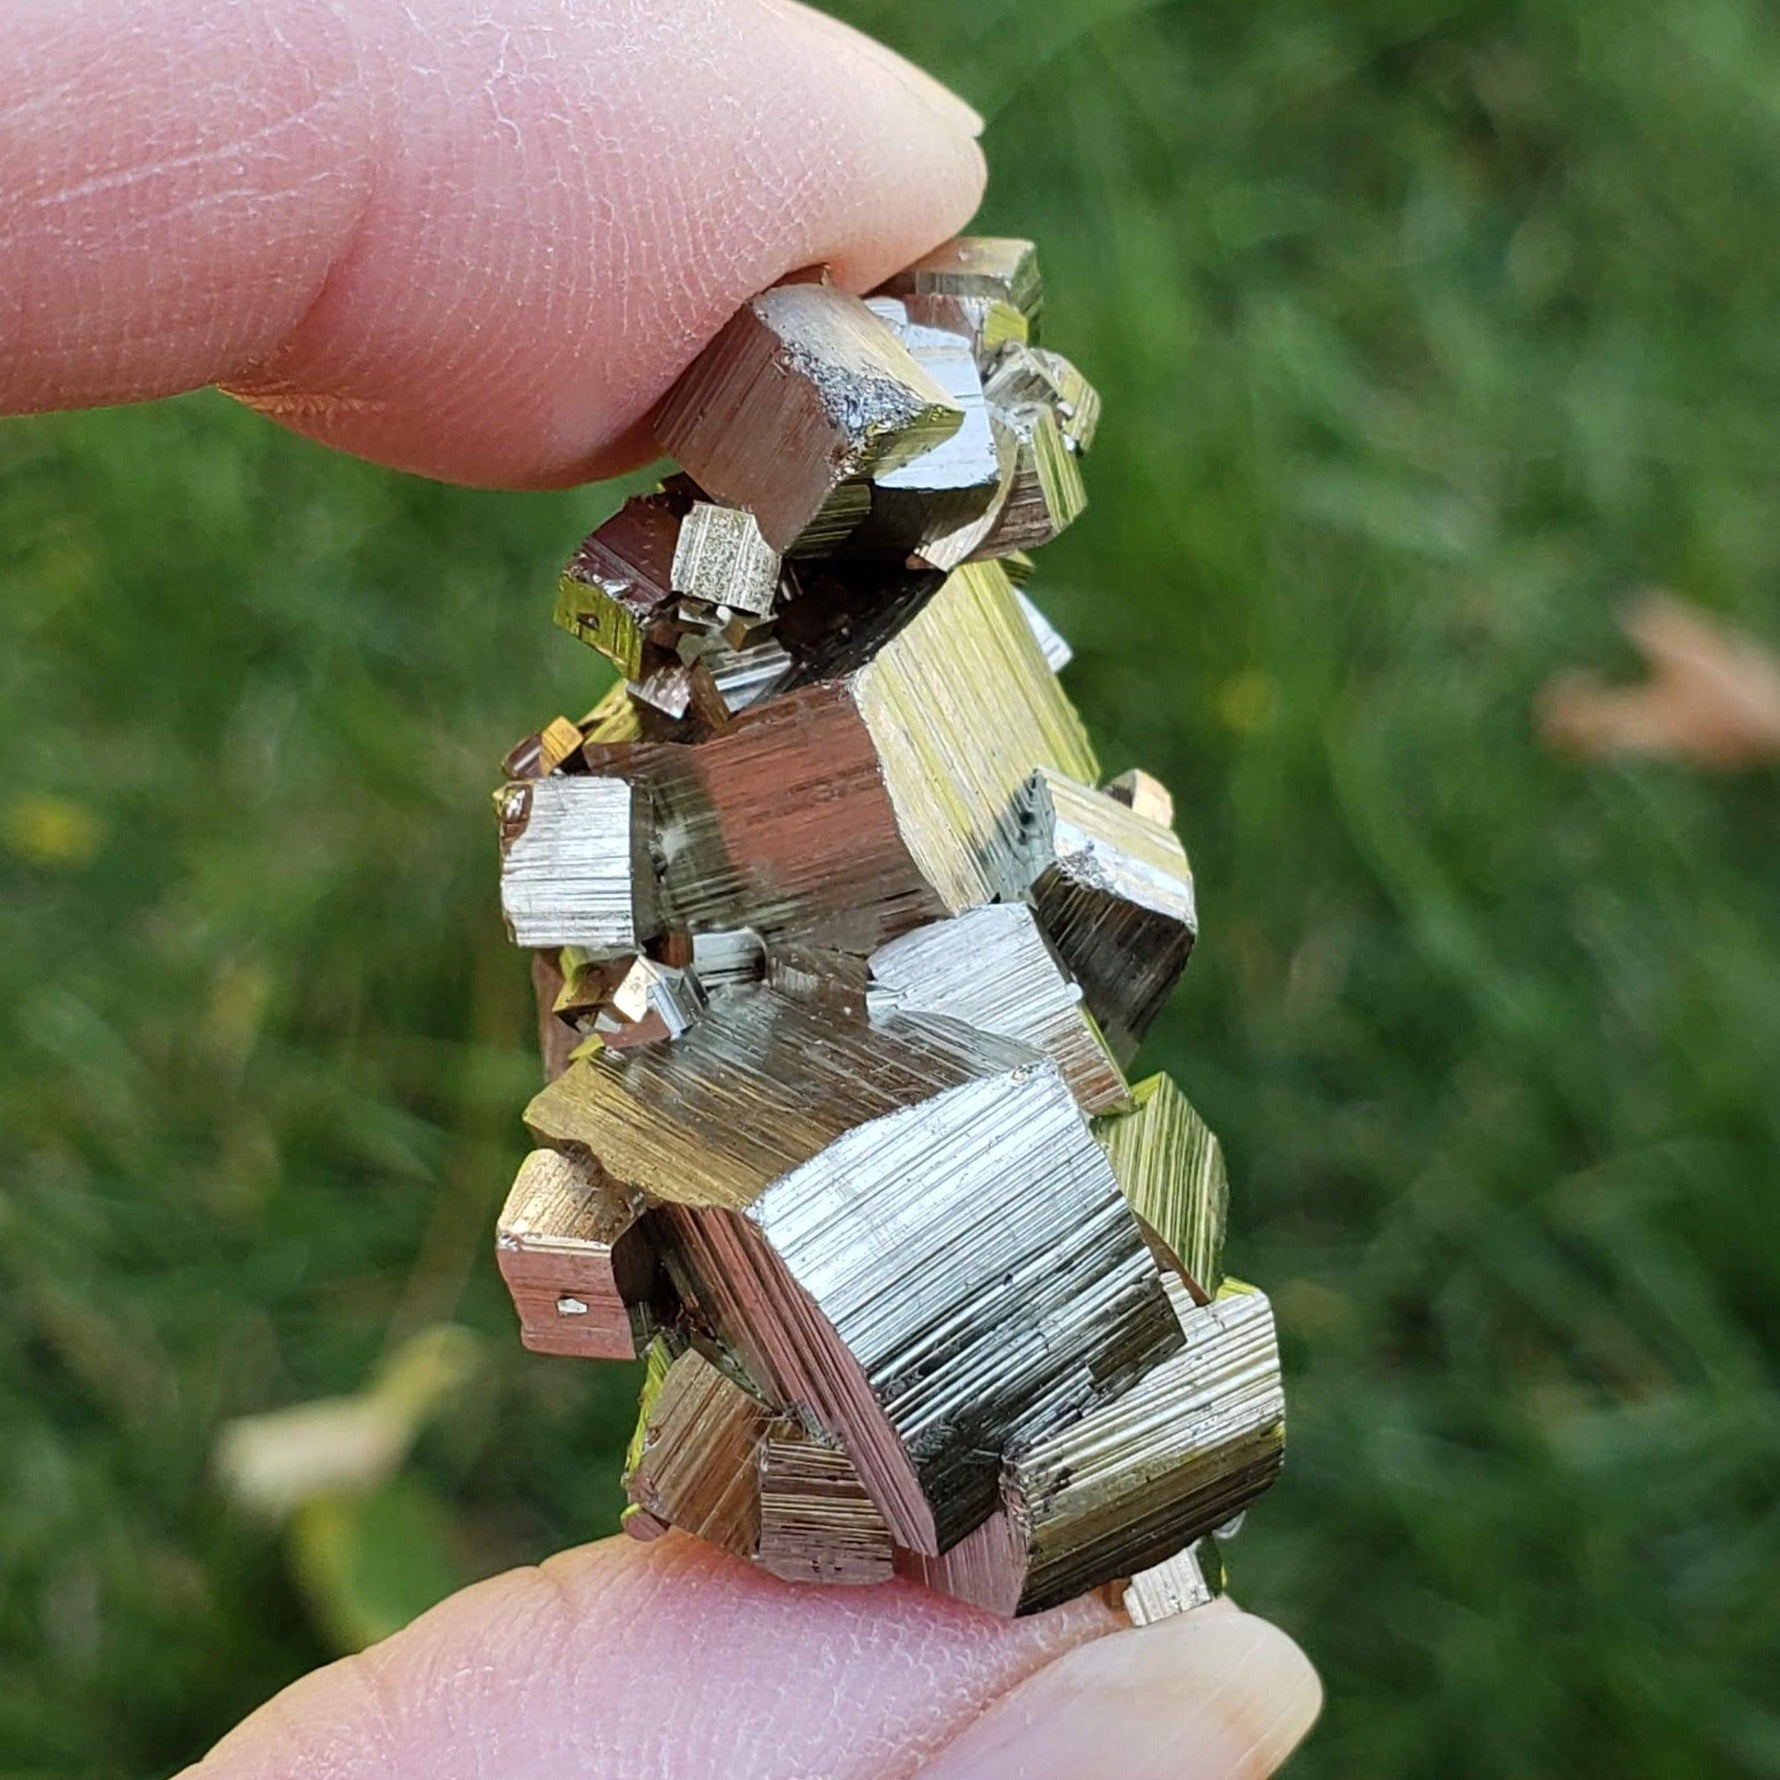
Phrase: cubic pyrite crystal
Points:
(841, 947)
(561, 1242)
(812, 370)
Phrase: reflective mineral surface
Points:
(842, 948)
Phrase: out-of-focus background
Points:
(1430, 331)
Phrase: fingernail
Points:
(918, 81)
(1211, 1695)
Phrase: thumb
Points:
(671, 1661)
(474, 242)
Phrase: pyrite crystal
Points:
(841, 948)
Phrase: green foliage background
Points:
(1428, 330)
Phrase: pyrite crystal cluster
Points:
(842, 949)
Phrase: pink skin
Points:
(477, 239)
(670, 1661)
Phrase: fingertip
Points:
(881, 160)
(472, 248)
(952, 109)
(664, 1661)
(687, 158)
(1210, 1695)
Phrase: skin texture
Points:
(473, 240)
(478, 239)
(671, 1661)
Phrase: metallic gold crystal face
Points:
(720, 559)
(1046, 493)
(565, 1242)
(1144, 796)
(554, 747)
(993, 969)
(1191, 1579)
(818, 1522)
(1133, 1481)
(695, 1458)
(814, 371)
(987, 323)
(846, 812)
(839, 956)
(1027, 376)
(1114, 894)
(569, 853)
(937, 508)
(984, 266)
(1171, 1171)
(905, 1227)
(621, 579)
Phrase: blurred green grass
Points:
(1428, 330)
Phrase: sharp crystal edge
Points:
(1024, 376)
(1047, 493)
(720, 559)
(650, 1002)
(812, 370)
(619, 583)
(727, 681)
(818, 1522)
(848, 811)
(695, 1458)
(992, 267)
(1129, 1484)
(613, 719)
(993, 969)
(555, 746)
(1147, 796)
(1114, 894)
(564, 1240)
(907, 1229)
(839, 959)
(1171, 1170)
(728, 959)
(937, 508)
(1052, 644)
(571, 849)
(1191, 1579)
(987, 323)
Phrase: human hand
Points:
(481, 248)
(673, 1661)
(471, 238)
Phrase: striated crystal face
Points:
(1137, 1479)
(841, 949)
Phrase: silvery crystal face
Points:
(841, 950)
